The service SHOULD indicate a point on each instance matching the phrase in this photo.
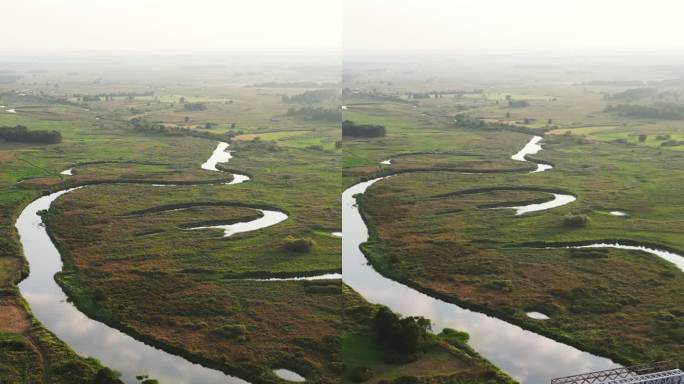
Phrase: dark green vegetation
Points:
(22, 134)
(381, 347)
(349, 128)
(119, 236)
(431, 231)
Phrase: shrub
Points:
(576, 221)
(302, 245)
(107, 376)
(455, 337)
(642, 137)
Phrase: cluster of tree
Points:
(667, 111)
(467, 122)
(349, 128)
(313, 96)
(22, 134)
(632, 94)
(112, 95)
(142, 125)
(518, 103)
(406, 335)
(440, 94)
(672, 143)
(194, 107)
(372, 95)
(318, 114)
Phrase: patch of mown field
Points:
(444, 358)
(626, 305)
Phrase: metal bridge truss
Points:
(663, 372)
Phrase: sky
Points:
(170, 25)
(517, 25)
(356, 25)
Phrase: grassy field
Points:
(445, 359)
(427, 233)
(111, 252)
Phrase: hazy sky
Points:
(85, 25)
(375, 25)
(512, 24)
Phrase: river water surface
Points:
(528, 357)
(89, 337)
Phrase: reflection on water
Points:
(532, 148)
(289, 375)
(559, 199)
(268, 219)
(325, 276)
(238, 178)
(528, 357)
(537, 315)
(672, 257)
(220, 155)
(86, 336)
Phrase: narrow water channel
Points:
(89, 337)
(528, 357)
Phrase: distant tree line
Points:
(359, 94)
(313, 96)
(349, 128)
(666, 111)
(467, 122)
(632, 94)
(193, 107)
(518, 103)
(407, 335)
(439, 94)
(22, 134)
(318, 114)
(635, 83)
(112, 95)
(142, 125)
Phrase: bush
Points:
(455, 337)
(302, 245)
(576, 221)
(107, 376)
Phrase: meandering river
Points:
(527, 356)
(89, 337)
